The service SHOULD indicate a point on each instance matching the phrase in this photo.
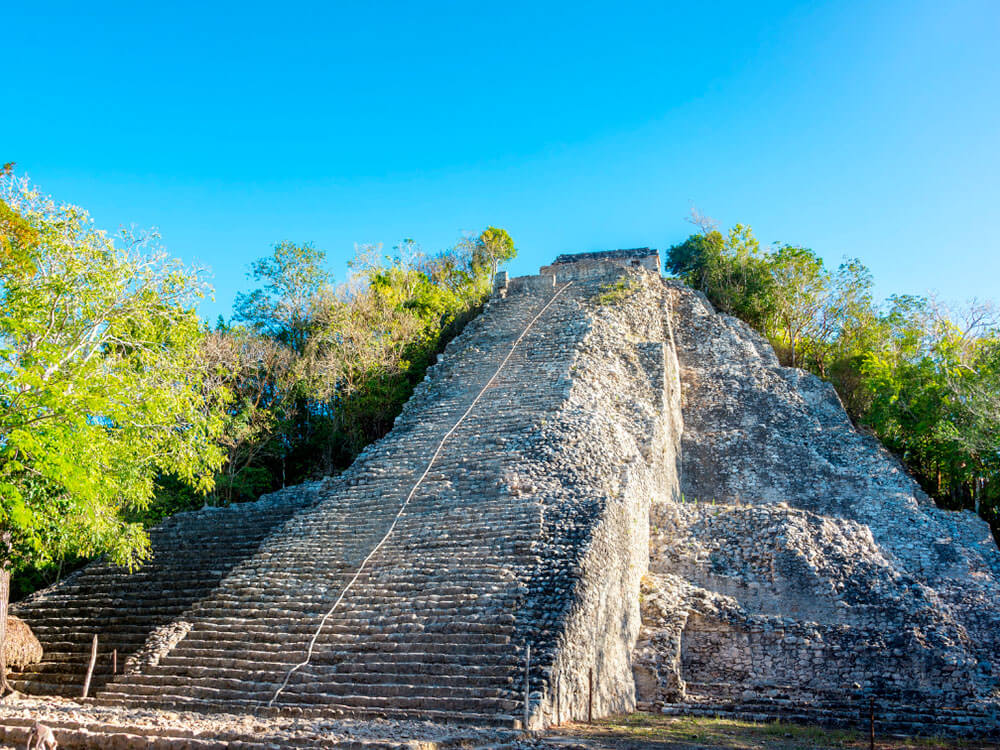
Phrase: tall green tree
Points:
(100, 386)
(731, 270)
(493, 247)
(293, 277)
(261, 378)
(816, 317)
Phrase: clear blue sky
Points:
(869, 129)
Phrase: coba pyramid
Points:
(602, 484)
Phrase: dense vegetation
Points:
(101, 388)
(119, 406)
(318, 372)
(924, 378)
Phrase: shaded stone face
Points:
(804, 562)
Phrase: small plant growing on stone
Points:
(616, 291)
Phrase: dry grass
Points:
(642, 731)
(22, 648)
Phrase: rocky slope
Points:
(804, 566)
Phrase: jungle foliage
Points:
(318, 371)
(923, 377)
(102, 388)
(119, 406)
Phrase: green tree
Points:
(801, 290)
(318, 373)
(262, 380)
(293, 278)
(16, 233)
(493, 248)
(375, 339)
(817, 317)
(731, 270)
(100, 386)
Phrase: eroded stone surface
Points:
(804, 562)
(159, 643)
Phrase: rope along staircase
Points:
(388, 591)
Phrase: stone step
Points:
(345, 635)
(374, 664)
(470, 608)
(387, 703)
(416, 661)
(358, 674)
(268, 683)
(332, 710)
(90, 735)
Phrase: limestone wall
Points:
(606, 457)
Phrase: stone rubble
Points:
(160, 642)
(85, 725)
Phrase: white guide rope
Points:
(392, 526)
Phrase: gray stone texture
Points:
(805, 568)
(531, 528)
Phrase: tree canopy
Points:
(101, 385)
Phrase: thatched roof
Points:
(21, 648)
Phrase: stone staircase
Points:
(192, 553)
(427, 629)
(490, 526)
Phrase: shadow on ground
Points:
(641, 731)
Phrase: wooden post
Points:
(527, 686)
(871, 724)
(114, 661)
(4, 599)
(90, 667)
(590, 696)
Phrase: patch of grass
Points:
(616, 291)
(642, 730)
